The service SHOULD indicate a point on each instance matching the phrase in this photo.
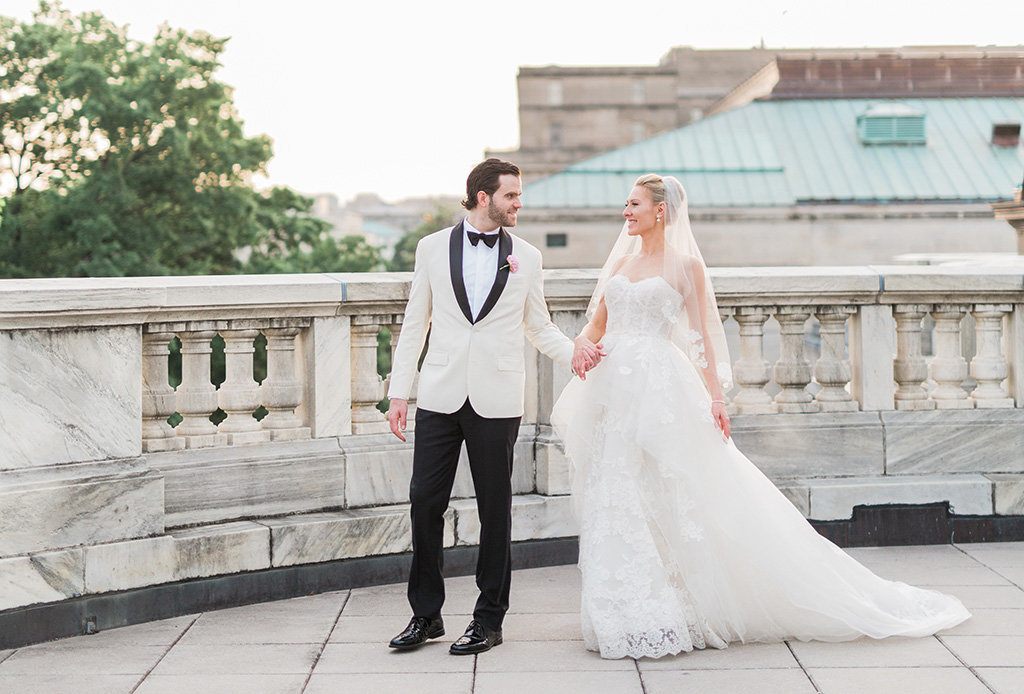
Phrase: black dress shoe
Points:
(419, 630)
(477, 639)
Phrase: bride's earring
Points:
(658, 218)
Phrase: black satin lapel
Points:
(501, 279)
(455, 268)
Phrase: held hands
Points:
(398, 410)
(585, 356)
(721, 417)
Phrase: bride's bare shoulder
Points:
(621, 262)
(685, 262)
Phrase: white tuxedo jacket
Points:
(482, 360)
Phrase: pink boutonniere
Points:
(512, 263)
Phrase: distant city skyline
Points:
(402, 101)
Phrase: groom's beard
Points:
(500, 217)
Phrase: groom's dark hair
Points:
(484, 176)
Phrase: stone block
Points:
(378, 468)
(321, 537)
(222, 484)
(228, 548)
(834, 499)
(195, 297)
(954, 441)
(939, 283)
(799, 496)
(1008, 493)
(467, 521)
(292, 434)
(812, 445)
(872, 346)
(554, 471)
(449, 527)
(327, 402)
(808, 280)
(78, 504)
(77, 301)
(241, 438)
(534, 517)
(45, 577)
(463, 487)
(63, 403)
(534, 365)
(130, 564)
(524, 466)
(1013, 346)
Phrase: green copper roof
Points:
(807, 151)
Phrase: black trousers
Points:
(489, 443)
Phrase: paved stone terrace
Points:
(336, 643)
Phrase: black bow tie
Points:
(489, 239)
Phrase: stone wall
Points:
(865, 403)
(805, 235)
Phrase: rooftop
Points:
(335, 642)
(789, 152)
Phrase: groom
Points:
(477, 289)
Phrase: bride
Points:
(684, 543)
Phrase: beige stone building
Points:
(817, 158)
(570, 113)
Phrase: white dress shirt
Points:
(479, 268)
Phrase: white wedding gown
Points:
(684, 543)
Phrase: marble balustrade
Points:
(852, 385)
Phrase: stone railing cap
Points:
(66, 302)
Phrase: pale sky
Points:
(402, 97)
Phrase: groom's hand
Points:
(398, 410)
(586, 355)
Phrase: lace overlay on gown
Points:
(683, 542)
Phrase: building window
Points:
(639, 92)
(557, 240)
(554, 93)
(638, 131)
(555, 135)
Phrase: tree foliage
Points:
(122, 157)
(405, 250)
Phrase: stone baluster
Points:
(1013, 344)
(751, 371)
(396, 328)
(793, 370)
(989, 367)
(239, 394)
(367, 385)
(158, 398)
(728, 378)
(197, 397)
(281, 391)
(948, 367)
(910, 368)
(832, 370)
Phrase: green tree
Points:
(405, 250)
(348, 254)
(122, 157)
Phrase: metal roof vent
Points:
(1006, 134)
(891, 124)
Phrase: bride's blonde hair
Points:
(655, 186)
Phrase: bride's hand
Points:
(721, 417)
(586, 355)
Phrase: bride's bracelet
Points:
(721, 402)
